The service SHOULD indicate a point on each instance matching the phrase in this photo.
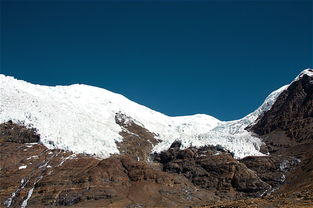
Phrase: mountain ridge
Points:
(46, 108)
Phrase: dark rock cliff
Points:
(292, 112)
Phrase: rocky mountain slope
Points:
(262, 160)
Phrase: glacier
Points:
(81, 118)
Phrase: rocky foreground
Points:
(33, 176)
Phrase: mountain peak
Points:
(308, 72)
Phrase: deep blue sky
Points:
(180, 58)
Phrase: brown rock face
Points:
(292, 112)
(271, 169)
(138, 141)
(57, 178)
(214, 169)
(10, 132)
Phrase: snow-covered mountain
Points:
(81, 119)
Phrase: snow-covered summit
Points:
(308, 72)
(81, 118)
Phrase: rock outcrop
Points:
(10, 132)
(137, 141)
(271, 169)
(214, 169)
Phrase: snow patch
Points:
(10, 200)
(29, 145)
(67, 158)
(22, 167)
(31, 157)
(29, 194)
